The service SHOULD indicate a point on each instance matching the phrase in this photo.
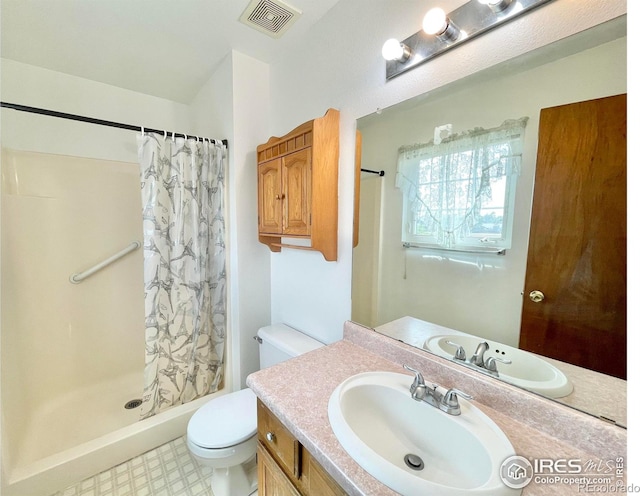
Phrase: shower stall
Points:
(73, 322)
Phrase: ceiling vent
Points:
(271, 17)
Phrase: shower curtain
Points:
(183, 185)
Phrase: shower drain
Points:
(130, 405)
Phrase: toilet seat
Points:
(225, 421)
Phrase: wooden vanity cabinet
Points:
(298, 187)
(285, 467)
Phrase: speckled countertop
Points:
(298, 390)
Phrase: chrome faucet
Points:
(433, 395)
(478, 356)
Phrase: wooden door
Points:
(577, 246)
(269, 197)
(296, 191)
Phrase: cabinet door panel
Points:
(315, 481)
(271, 479)
(296, 189)
(270, 197)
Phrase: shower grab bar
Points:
(78, 278)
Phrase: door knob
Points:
(536, 296)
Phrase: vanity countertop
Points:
(298, 390)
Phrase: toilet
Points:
(223, 434)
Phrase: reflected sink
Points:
(526, 370)
(378, 423)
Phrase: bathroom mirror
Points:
(412, 293)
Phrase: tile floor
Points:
(168, 470)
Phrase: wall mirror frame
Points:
(402, 292)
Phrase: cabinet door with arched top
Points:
(296, 189)
(269, 197)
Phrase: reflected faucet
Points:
(477, 361)
(478, 356)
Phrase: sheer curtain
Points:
(183, 188)
(460, 192)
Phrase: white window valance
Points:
(459, 194)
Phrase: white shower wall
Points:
(60, 216)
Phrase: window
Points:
(459, 194)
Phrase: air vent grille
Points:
(271, 17)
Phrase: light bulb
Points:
(435, 21)
(394, 50)
(496, 5)
(391, 50)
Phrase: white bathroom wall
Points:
(250, 124)
(341, 67)
(241, 115)
(366, 254)
(37, 87)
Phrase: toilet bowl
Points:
(223, 434)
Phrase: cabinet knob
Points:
(271, 437)
(536, 296)
(277, 197)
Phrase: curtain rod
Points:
(80, 118)
(380, 173)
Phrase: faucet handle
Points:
(460, 353)
(490, 363)
(450, 402)
(418, 389)
(418, 376)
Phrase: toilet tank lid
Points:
(289, 340)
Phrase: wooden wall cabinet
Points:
(285, 467)
(298, 187)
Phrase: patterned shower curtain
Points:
(183, 188)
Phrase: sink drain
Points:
(130, 405)
(414, 462)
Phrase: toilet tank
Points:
(279, 342)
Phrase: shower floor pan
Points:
(83, 433)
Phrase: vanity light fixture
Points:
(442, 31)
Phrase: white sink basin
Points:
(526, 370)
(378, 423)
